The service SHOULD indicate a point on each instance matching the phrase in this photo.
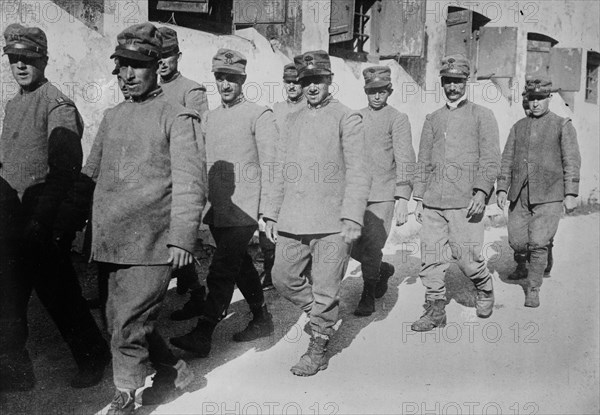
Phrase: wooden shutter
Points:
(341, 21)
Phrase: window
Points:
(591, 80)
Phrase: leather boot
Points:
(386, 270)
(314, 359)
(532, 297)
(484, 303)
(197, 341)
(366, 305)
(521, 271)
(123, 403)
(167, 383)
(193, 307)
(261, 325)
(91, 373)
(550, 261)
(434, 316)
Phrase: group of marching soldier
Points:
(354, 173)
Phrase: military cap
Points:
(290, 73)
(141, 42)
(313, 63)
(229, 61)
(170, 45)
(377, 76)
(26, 41)
(538, 86)
(455, 66)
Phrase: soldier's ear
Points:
(179, 56)
(390, 90)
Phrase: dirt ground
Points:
(519, 361)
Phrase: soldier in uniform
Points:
(317, 204)
(192, 95)
(294, 102)
(390, 157)
(240, 144)
(459, 157)
(150, 173)
(539, 174)
(40, 160)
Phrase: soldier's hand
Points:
(501, 199)
(350, 230)
(401, 212)
(419, 211)
(179, 258)
(570, 203)
(271, 230)
(477, 204)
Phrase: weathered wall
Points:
(80, 65)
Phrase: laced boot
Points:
(123, 403)
(550, 261)
(386, 270)
(521, 271)
(366, 305)
(434, 316)
(197, 341)
(532, 297)
(261, 325)
(193, 307)
(167, 383)
(314, 359)
(485, 303)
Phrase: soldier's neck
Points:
(33, 86)
(170, 78)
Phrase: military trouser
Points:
(40, 265)
(329, 254)
(231, 265)
(451, 230)
(531, 229)
(135, 295)
(375, 231)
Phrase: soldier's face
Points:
(139, 77)
(315, 88)
(167, 67)
(378, 96)
(293, 89)
(123, 87)
(27, 71)
(454, 88)
(539, 105)
(229, 85)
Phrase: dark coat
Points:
(544, 152)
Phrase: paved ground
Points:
(520, 361)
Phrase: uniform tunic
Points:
(151, 181)
(540, 166)
(321, 177)
(459, 153)
(188, 93)
(240, 150)
(282, 109)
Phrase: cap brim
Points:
(290, 79)
(537, 95)
(314, 72)
(377, 84)
(23, 52)
(227, 69)
(454, 75)
(167, 53)
(131, 54)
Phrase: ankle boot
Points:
(532, 297)
(386, 270)
(521, 271)
(314, 359)
(366, 305)
(193, 307)
(197, 341)
(167, 383)
(123, 403)
(434, 316)
(261, 325)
